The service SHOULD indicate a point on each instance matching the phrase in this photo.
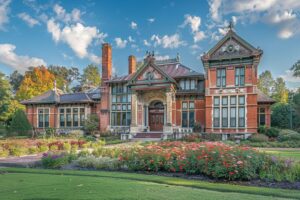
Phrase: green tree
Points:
(296, 69)
(281, 116)
(15, 80)
(64, 76)
(280, 93)
(266, 82)
(5, 98)
(20, 124)
(91, 124)
(36, 81)
(91, 76)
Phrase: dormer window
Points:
(187, 84)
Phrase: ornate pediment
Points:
(231, 49)
(150, 74)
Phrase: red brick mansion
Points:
(163, 96)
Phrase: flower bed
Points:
(213, 159)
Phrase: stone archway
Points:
(156, 115)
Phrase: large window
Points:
(121, 105)
(261, 116)
(43, 117)
(228, 112)
(188, 114)
(188, 84)
(221, 77)
(71, 117)
(239, 76)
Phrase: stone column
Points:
(165, 114)
(133, 126)
(169, 107)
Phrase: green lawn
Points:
(38, 184)
(285, 153)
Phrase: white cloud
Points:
(21, 63)
(288, 77)
(146, 43)
(62, 15)
(130, 39)
(171, 42)
(120, 43)
(283, 14)
(4, 11)
(151, 20)
(285, 33)
(194, 22)
(77, 36)
(28, 19)
(133, 25)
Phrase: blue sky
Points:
(70, 33)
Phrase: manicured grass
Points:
(21, 183)
(285, 153)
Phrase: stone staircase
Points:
(149, 136)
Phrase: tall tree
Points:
(280, 93)
(64, 76)
(91, 76)
(35, 82)
(15, 80)
(20, 123)
(296, 69)
(266, 82)
(5, 97)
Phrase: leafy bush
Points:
(55, 161)
(18, 151)
(75, 134)
(33, 150)
(216, 160)
(261, 129)
(4, 152)
(20, 124)
(43, 148)
(93, 162)
(259, 138)
(272, 132)
(91, 123)
(288, 135)
(67, 146)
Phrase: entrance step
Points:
(147, 136)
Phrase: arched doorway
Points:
(156, 116)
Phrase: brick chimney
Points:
(106, 62)
(131, 64)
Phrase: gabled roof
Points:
(171, 67)
(239, 48)
(263, 98)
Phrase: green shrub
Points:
(67, 146)
(261, 129)
(43, 148)
(33, 150)
(288, 135)
(18, 151)
(98, 163)
(3, 152)
(259, 138)
(54, 161)
(20, 124)
(76, 134)
(272, 132)
(74, 148)
(53, 148)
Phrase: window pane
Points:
(128, 119)
(113, 120)
(223, 72)
(81, 110)
(124, 119)
(191, 119)
(68, 110)
(223, 82)
(129, 107)
(113, 107)
(184, 105)
(46, 116)
(232, 117)
(224, 117)
(187, 85)
(62, 110)
(184, 119)
(119, 107)
(114, 100)
(216, 115)
(262, 119)
(241, 100)
(75, 120)
(82, 118)
(62, 120)
(118, 119)
(182, 84)
(129, 98)
(124, 107)
(233, 100)
(69, 122)
(41, 111)
(241, 117)
(242, 80)
(41, 120)
(192, 84)
(224, 100)
(192, 105)
(216, 101)
(75, 110)
(124, 99)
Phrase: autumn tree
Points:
(280, 93)
(36, 81)
(64, 76)
(91, 76)
(15, 80)
(5, 97)
(266, 82)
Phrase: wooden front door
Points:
(156, 121)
